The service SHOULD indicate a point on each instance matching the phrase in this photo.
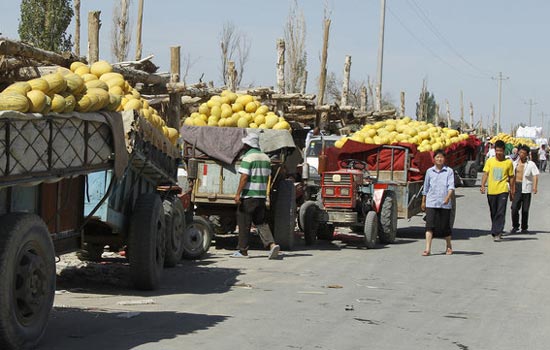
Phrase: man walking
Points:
(251, 195)
(526, 176)
(498, 173)
(542, 158)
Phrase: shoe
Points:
(239, 255)
(514, 230)
(426, 253)
(497, 238)
(449, 251)
(525, 231)
(274, 252)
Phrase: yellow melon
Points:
(39, 84)
(75, 83)
(70, 103)
(13, 101)
(58, 103)
(97, 84)
(37, 101)
(21, 87)
(76, 64)
(100, 67)
(56, 81)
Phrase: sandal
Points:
(449, 251)
(425, 253)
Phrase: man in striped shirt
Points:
(251, 196)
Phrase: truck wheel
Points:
(197, 238)
(27, 275)
(284, 215)
(453, 211)
(371, 229)
(174, 215)
(470, 174)
(310, 221)
(90, 252)
(146, 241)
(388, 218)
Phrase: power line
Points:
(427, 47)
(429, 24)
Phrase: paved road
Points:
(488, 295)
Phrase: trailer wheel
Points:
(27, 275)
(453, 211)
(388, 218)
(284, 214)
(197, 238)
(310, 221)
(470, 174)
(371, 229)
(146, 241)
(174, 215)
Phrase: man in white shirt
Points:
(527, 176)
(542, 158)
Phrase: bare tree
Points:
(187, 63)
(121, 35)
(295, 40)
(332, 90)
(234, 46)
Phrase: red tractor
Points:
(351, 198)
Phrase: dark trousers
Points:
(252, 210)
(497, 206)
(522, 201)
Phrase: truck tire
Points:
(388, 218)
(197, 238)
(470, 174)
(284, 214)
(146, 241)
(310, 221)
(371, 229)
(90, 252)
(325, 232)
(174, 215)
(27, 275)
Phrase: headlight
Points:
(344, 191)
(329, 191)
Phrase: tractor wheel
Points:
(27, 272)
(310, 221)
(371, 229)
(197, 238)
(470, 174)
(388, 218)
(146, 241)
(284, 214)
(174, 215)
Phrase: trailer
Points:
(212, 171)
(45, 167)
(367, 188)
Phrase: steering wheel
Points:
(354, 164)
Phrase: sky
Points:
(454, 45)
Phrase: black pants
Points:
(522, 201)
(252, 210)
(497, 206)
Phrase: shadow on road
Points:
(72, 328)
(419, 232)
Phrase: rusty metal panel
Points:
(62, 204)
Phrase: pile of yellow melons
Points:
(516, 141)
(83, 89)
(426, 136)
(233, 110)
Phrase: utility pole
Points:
(531, 104)
(448, 113)
(461, 110)
(378, 103)
(500, 78)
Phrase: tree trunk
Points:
(281, 66)
(94, 24)
(345, 86)
(323, 78)
(77, 27)
(139, 45)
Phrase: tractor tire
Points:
(174, 215)
(325, 232)
(310, 221)
(27, 272)
(284, 214)
(371, 229)
(470, 174)
(197, 238)
(146, 242)
(388, 218)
